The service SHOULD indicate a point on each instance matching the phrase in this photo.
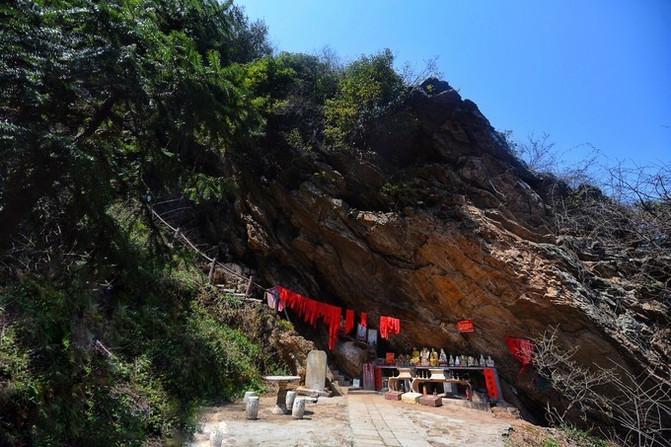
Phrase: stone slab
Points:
(315, 377)
(312, 393)
(393, 395)
(412, 398)
(431, 401)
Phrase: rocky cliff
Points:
(440, 222)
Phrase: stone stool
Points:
(291, 396)
(298, 409)
(248, 394)
(252, 408)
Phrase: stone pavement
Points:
(355, 420)
(374, 422)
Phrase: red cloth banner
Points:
(364, 319)
(523, 350)
(349, 320)
(465, 326)
(310, 311)
(389, 326)
(490, 381)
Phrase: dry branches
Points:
(638, 407)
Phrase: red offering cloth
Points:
(349, 320)
(364, 323)
(465, 326)
(389, 326)
(523, 350)
(311, 310)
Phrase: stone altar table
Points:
(282, 382)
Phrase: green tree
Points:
(109, 100)
(101, 102)
(369, 89)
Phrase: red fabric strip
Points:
(364, 323)
(349, 320)
(389, 326)
(523, 350)
(310, 311)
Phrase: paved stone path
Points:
(374, 422)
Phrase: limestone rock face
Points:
(441, 225)
(350, 358)
(293, 350)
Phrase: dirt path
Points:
(356, 420)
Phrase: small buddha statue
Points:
(424, 356)
(457, 361)
(489, 361)
(414, 359)
(442, 359)
(482, 361)
(434, 358)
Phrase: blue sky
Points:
(590, 71)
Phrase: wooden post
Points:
(249, 285)
(211, 274)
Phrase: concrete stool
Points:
(298, 409)
(291, 396)
(252, 407)
(248, 394)
(216, 438)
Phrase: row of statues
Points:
(432, 358)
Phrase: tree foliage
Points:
(369, 88)
(100, 104)
(99, 101)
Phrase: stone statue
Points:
(434, 358)
(442, 359)
(451, 361)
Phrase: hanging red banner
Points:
(465, 326)
(490, 381)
